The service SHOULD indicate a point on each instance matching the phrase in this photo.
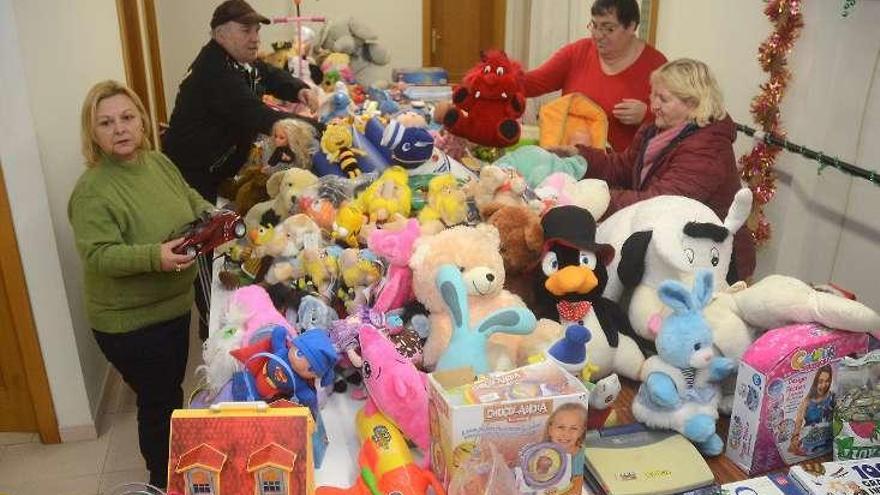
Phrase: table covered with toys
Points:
(442, 300)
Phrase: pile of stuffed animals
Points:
(374, 257)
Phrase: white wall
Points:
(832, 65)
(184, 26)
(53, 51)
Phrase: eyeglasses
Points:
(604, 29)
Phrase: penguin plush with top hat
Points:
(570, 282)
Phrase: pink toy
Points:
(396, 247)
(782, 407)
(252, 308)
(396, 388)
(555, 186)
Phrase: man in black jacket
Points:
(219, 109)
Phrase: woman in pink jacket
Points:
(687, 150)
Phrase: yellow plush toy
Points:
(349, 221)
(390, 194)
(321, 269)
(446, 205)
(337, 145)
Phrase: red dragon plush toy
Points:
(489, 102)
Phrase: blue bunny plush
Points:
(680, 390)
(467, 347)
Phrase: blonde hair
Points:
(692, 82)
(567, 407)
(100, 91)
(300, 140)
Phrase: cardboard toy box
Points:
(784, 396)
(242, 447)
(855, 477)
(420, 75)
(856, 420)
(511, 410)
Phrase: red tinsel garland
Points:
(757, 165)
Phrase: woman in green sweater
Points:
(138, 291)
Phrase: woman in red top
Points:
(687, 150)
(612, 68)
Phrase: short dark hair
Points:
(627, 11)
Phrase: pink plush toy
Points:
(396, 388)
(396, 247)
(253, 309)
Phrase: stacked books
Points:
(772, 484)
(857, 477)
(632, 460)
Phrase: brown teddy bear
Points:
(522, 238)
(496, 184)
(246, 189)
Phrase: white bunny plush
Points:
(681, 383)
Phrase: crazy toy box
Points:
(784, 393)
(242, 447)
(516, 411)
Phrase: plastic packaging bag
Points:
(856, 419)
(483, 473)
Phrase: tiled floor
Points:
(92, 467)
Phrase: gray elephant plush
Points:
(368, 55)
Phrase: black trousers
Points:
(152, 361)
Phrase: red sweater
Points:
(576, 68)
(701, 166)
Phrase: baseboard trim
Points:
(78, 433)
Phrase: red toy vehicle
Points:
(210, 230)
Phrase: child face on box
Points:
(823, 383)
(566, 429)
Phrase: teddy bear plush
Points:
(680, 390)
(522, 238)
(246, 189)
(477, 255)
(496, 184)
(284, 188)
(356, 39)
(468, 345)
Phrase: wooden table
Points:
(724, 469)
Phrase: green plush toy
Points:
(536, 164)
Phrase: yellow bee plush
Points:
(337, 145)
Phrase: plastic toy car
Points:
(210, 230)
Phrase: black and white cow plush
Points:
(671, 238)
(667, 238)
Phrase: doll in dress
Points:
(293, 142)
